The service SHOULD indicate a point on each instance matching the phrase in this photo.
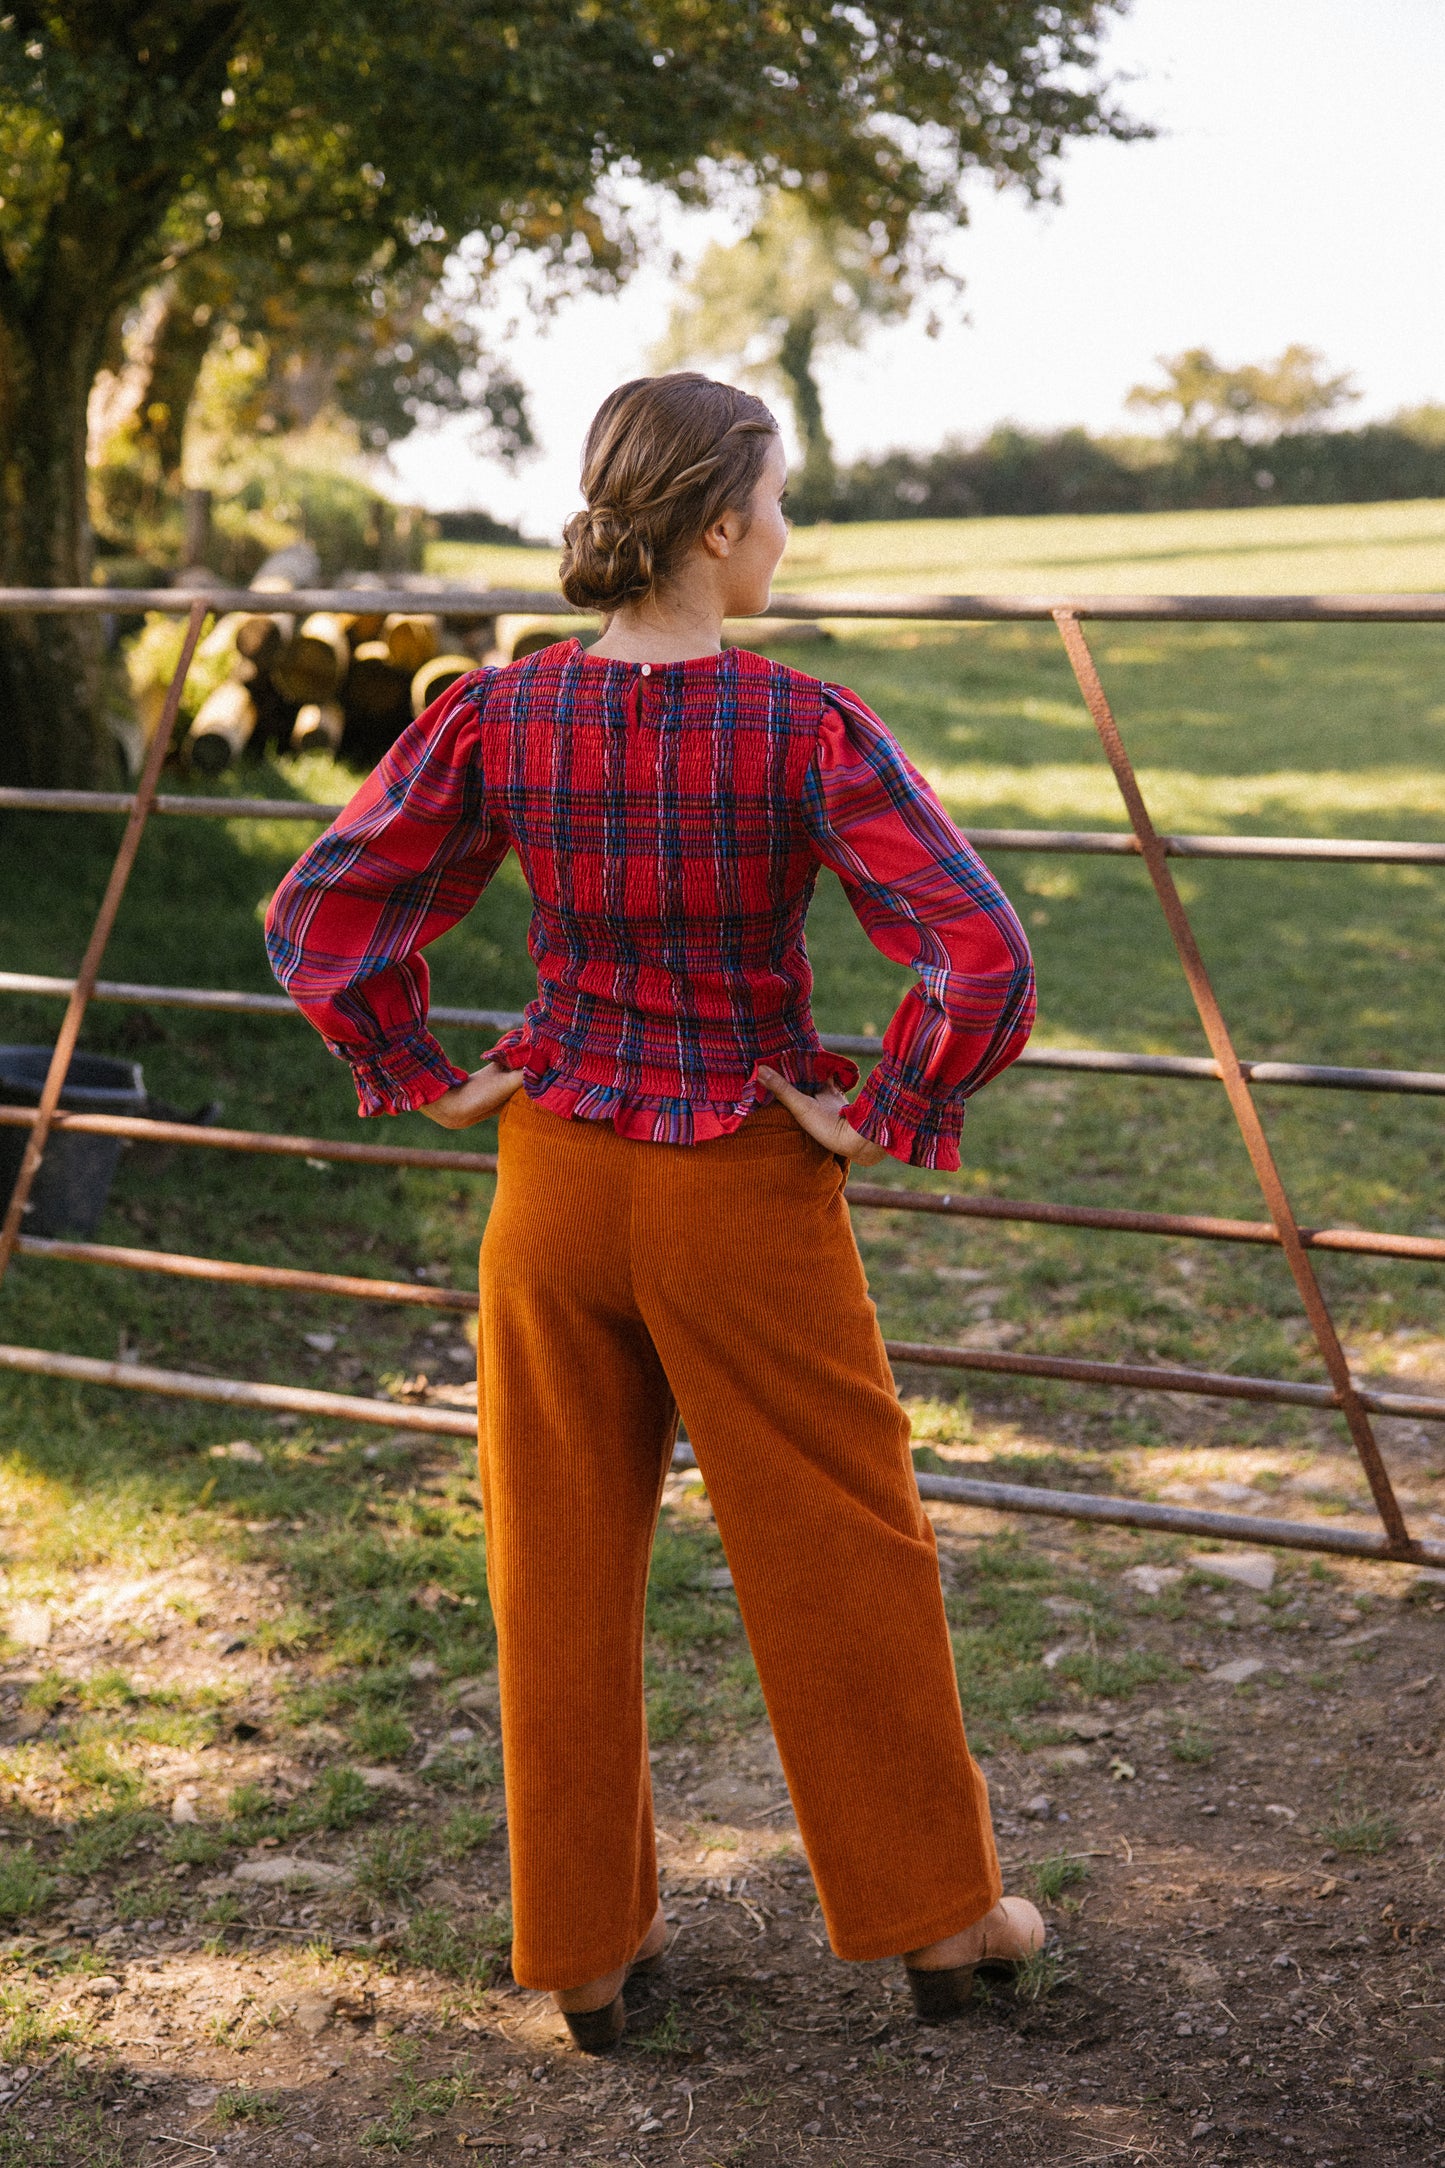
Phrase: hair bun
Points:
(607, 559)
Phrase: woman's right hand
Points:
(822, 1115)
(484, 1094)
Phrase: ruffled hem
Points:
(907, 1123)
(403, 1078)
(656, 1117)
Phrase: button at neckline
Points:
(647, 669)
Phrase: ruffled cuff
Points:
(910, 1125)
(403, 1076)
(510, 1051)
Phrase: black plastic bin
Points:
(76, 1173)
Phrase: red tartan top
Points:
(670, 820)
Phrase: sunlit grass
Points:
(29, 2027)
(1268, 549)
(1272, 729)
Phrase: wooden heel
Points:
(596, 2032)
(942, 1995)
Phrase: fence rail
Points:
(1084, 842)
(866, 1196)
(1190, 1068)
(1349, 1396)
(458, 602)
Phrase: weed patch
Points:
(1041, 1974)
(470, 1766)
(24, 1887)
(29, 2029)
(100, 1840)
(475, 1955)
(667, 2037)
(393, 1864)
(740, 1692)
(1052, 1876)
(242, 2104)
(95, 1766)
(105, 1690)
(137, 1901)
(417, 2097)
(383, 1737)
(287, 1635)
(338, 1800)
(48, 1693)
(1364, 1834)
(71, 2135)
(252, 1813)
(1116, 1676)
(465, 1830)
(677, 1701)
(195, 1846)
(683, 1612)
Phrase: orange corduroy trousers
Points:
(623, 1282)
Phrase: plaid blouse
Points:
(670, 820)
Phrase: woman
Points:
(669, 1231)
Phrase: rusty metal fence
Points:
(1340, 1391)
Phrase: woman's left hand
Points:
(484, 1094)
(821, 1114)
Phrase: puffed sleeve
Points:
(407, 858)
(925, 899)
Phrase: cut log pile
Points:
(349, 683)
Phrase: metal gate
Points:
(1354, 1402)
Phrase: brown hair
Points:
(665, 457)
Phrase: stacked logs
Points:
(328, 681)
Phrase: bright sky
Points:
(1293, 193)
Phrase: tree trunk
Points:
(182, 342)
(52, 729)
(795, 359)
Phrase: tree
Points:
(1293, 391)
(222, 374)
(385, 350)
(137, 135)
(796, 285)
(1198, 394)
(1203, 399)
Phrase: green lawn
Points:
(1289, 549)
(1276, 729)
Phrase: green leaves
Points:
(325, 127)
(303, 150)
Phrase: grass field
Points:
(1291, 549)
(1292, 730)
(1283, 729)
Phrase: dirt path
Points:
(287, 1956)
